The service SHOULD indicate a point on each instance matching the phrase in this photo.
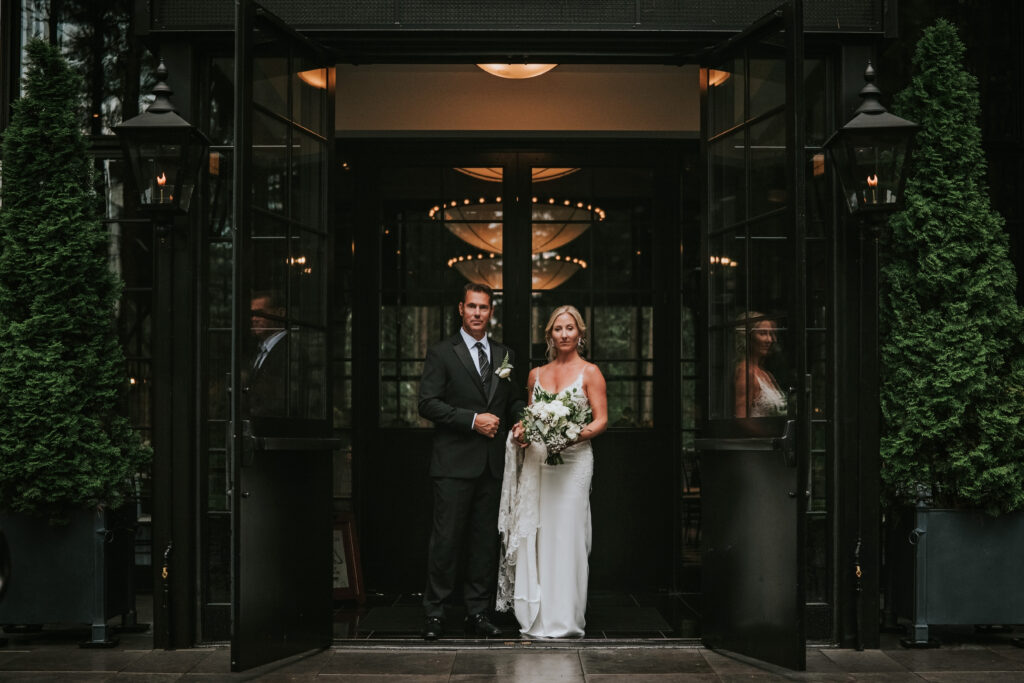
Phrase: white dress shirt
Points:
(471, 345)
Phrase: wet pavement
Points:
(964, 657)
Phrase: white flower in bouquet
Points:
(555, 420)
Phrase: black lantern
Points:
(165, 154)
(871, 154)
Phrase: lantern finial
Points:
(870, 94)
(162, 92)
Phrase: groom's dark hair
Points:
(477, 287)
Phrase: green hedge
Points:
(952, 389)
(64, 441)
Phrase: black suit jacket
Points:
(451, 392)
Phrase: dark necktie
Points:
(485, 365)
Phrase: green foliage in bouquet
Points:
(555, 420)
(64, 443)
(952, 389)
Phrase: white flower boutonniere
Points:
(505, 370)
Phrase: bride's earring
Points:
(579, 344)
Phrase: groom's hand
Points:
(487, 424)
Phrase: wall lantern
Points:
(870, 154)
(165, 154)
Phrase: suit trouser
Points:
(465, 516)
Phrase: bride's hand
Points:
(517, 434)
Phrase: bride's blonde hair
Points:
(580, 325)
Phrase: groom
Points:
(468, 390)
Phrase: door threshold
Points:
(512, 643)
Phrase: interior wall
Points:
(664, 100)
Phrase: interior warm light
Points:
(481, 225)
(314, 77)
(717, 77)
(495, 174)
(549, 270)
(517, 70)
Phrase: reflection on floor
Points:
(609, 616)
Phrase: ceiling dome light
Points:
(517, 70)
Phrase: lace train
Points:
(518, 518)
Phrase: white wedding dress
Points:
(544, 522)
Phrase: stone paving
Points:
(963, 658)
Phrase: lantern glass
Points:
(165, 166)
(871, 164)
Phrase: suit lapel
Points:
(497, 356)
(459, 345)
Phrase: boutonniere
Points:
(505, 370)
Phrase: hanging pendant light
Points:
(517, 71)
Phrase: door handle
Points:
(295, 443)
(784, 443)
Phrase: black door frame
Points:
(531, 151)
(175, 501)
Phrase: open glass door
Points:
(281, 445)
(753, 445)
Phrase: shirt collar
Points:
(471, 343)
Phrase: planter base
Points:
(956, 567)
(76, 573)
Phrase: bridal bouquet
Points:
(555, 421)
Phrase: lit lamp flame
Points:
(873, 184)
(161, 181)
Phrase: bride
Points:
(545, 509)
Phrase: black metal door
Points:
(280, 376)
(753, 445)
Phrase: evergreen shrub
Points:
(64, 440)
(952, 386)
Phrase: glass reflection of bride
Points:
(757, 392)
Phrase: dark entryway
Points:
(598, 225)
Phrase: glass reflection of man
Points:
(268, 370)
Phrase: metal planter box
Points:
(957, 567)
(77, 573)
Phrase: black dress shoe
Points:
(432, 628)
(480, 625)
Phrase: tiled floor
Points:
(963, 658)
(966, 656)
(609, 615)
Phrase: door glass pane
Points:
(727, 180)
(307, 179)
(307, 379)
(269, 164)
(726, 92)
(601, 264)
(305, 266)
(309, 80)
(768, 165)
(270, 83)
(440, 227)
(767, 77)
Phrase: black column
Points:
(175, 484)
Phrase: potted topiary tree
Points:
(952, 386)
(67, 453)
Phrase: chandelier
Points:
(495, 174)
(554, 223)
(549, 270)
